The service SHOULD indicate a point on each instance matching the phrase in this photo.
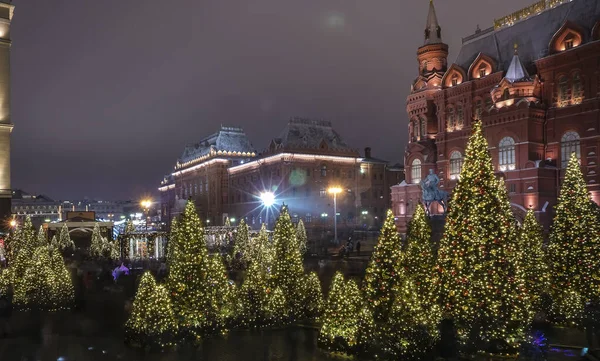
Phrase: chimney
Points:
(368, 152)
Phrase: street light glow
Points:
(267, 198)
(13, 223)
(146, 203)
(335, 190)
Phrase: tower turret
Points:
(433, 54)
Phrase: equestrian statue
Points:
(431, 193)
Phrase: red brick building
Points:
(225, 177)
(533, 79)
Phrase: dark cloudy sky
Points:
(107, 93)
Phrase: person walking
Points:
(358, 247)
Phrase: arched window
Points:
(454, 80)
(505, 94)
(577, 88)
(415, 171)
(323, 170)
(569, 144)
(450, 120)
(506, 154)
(417, 129)
(478, 109)
(482, 70)
(460, 116)
(563, 90)
(423, 128)
(456, 161)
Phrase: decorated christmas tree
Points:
(227, 222)
(340, 320)
(41, 239)
(34, 288)
(61, 284)
(254, 296)
(412, 328)
(21, 249)
(419, 261)
(574, 249)
(220, 294)
(382, 273)
(98, 244)
(262, 249)
(533, 259)
(288, 271)
(301, 237)
(242, 246)
(480, 283)
(64, 239)
(152, 321)
(313, 296)
(277, 309)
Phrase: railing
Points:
(527, 12)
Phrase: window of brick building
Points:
(569, 145)
(478, 109)
(323, 171)
(506, 154)
(563, 90)
(460, 116)
(450, 119)
(308, 218)
(415, 171)
(456, 161)
(577, 88)
(323, 192)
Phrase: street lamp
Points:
(146, 203)
(335, 191)
(267, 199)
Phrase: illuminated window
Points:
(415, 172)
(450, 120)
(482, 70)
(505, 94)
(416, 129)
(308, 218)
(577, 88)
(569, 145)
(423, 127)
(569, 42)
(323, 192)
(506, 154)
(478, 109)
(454, 80)
(323, 171)
(460, 116)
(563, 90)
(456, 161)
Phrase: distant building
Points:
(40, 208)
(534, 83)
(299, 167)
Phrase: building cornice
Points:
(290, 157)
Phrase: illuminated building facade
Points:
(6, 126)
(533, 80)
(299, 167)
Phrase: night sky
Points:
(105, 94)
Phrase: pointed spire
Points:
(433, 31)
(516, 70)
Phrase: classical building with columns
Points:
(6, 126)
(533, 80)
(226, 176)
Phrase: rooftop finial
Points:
(433, 31)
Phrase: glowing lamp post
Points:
(335, 191)
(146, 203)
(267, 199)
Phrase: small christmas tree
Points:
(64, 241)
(220, 293)
(262, 249)
(33, 289)
(41, 239)
(419, 260)
(242, 246)
(574, 249)
(61, 284)
(383, 270)
(277, 309)
(227, 222)
(152, 320)
(98, 246)
(288, 271)
(301, 237)
(313, 300)
(254, 297)
(533, 259)
(340, 320)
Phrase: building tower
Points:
(6, 126)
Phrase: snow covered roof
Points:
(229, 139)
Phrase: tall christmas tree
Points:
(533, 259)
(288, 271)
(262, 249)
(419, 260)
(220, 294)
(152, 320)
(64, 240)
(574, 249)
(480, 283)
(21, 249)
(340, 320)
(301, 237)
(34, 288)
(254, 296)
(61, 284)
(382, 273)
